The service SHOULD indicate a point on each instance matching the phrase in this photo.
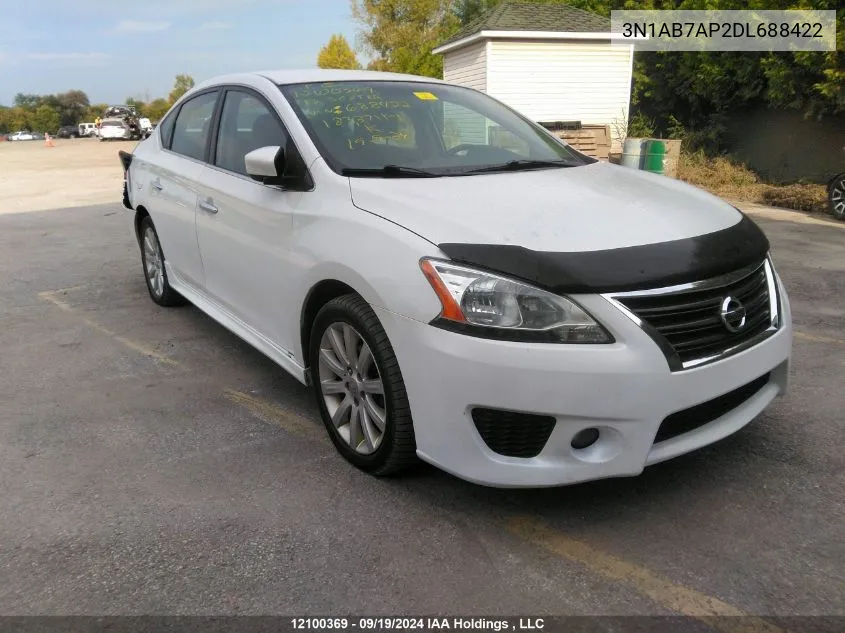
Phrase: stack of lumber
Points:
(590, 140)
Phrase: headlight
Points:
(483, 304)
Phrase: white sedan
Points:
(114, 129)
(456, 284)
(22, 136)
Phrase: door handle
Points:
(156, 184)
(206, 205)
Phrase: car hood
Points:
(594, 207)
(596, 228)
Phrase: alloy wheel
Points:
(352, 388)
(837, 198)
(154, 262)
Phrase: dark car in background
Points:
(68, 131)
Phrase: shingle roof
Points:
(524, 15)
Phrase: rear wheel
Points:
(155, 273)
(836, 197)
(359, 388)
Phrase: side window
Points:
(190, 131)
(245, 125)
(165, 129)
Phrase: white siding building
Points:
(552, 62)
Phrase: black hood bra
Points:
(622, 269)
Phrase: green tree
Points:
(338, 54)
(27, 102)
(139, 105)
(468, 10)
(156, 109)
(93, 111)
(72, 106)
(14, 119)
(181, 85)
(400, 34)
(701, 91)
(5, 123)
(45, 119)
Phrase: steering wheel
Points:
(458, 149)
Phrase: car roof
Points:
(306, 75)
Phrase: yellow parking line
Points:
(661, 590)
(274, 414)
(64, 291)
(133, 345)
(818, 339)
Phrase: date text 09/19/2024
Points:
(420, 624)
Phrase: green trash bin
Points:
(655, 155)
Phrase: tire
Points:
(836, 197)
(394, 449)
(155, 273)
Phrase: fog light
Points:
(585, 438)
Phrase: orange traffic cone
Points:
(48, 141)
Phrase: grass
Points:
(734, 181)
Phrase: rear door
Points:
(174, 180)
(243, 226)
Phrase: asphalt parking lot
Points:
(150, 462)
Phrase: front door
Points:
(243, 226)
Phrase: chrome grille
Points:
(688, 321)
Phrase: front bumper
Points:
(625, 390)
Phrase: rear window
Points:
(112, 123)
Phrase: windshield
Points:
(363, 127)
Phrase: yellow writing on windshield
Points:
(326, 90)
(339, 108)
(362, 119)
(378, 139)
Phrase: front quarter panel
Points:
(334, 240)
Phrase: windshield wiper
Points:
(390, 171)
(521, 164)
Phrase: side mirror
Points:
(273, 165)
(261, 164)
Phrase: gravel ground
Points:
(76, 172)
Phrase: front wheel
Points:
(359, 388)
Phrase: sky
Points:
(115, 50)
